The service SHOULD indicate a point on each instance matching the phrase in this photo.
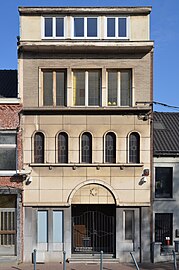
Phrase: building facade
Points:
(10, 166)
(86, 87)
(165, 188)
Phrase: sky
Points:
(164, 32)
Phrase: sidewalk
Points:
(87, 266)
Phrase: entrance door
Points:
(93, 228)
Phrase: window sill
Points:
(97, 165)
(8, 173)
(164, 199)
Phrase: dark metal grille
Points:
(62, 148)
(134, 148)
(110, 148)
(163, 227)
(39, 148)
(86, 148)
(7, 227)
(93, 230)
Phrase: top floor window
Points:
(163, 182)
(117, 27)
(85, 27)
(53, 27)
(7, 151)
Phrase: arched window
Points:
(86, 148)
(62, 148)
(39, 147)
(134, 148)
(110, 148)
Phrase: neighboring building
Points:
(10, 164)
(166, 173)
(86, 86)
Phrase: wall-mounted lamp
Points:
(50, 167)
(98, 167)
(74, 167)
(121, 168)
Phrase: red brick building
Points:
(10, 169)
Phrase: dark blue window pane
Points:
(91, 27)
(111, 27)
(59, 27)
(79, 27)
(122, 31)
(48, 27)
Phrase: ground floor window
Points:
(163, 227)
(49, 227)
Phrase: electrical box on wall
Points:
(177, 233)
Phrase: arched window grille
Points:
(39, 147)
(110, 148)
(134, 148)
(62, 148)
(86, 148)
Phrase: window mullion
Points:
(86, 88)
(119, 89)
(85, 27)
(54, 88)
(116, 27)
(54, 27)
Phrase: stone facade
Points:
(114, 190)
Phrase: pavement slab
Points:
(86, 266)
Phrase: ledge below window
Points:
(76, 165)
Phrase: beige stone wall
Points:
(31, 27)
(54, 187)
(31, 66)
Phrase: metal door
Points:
(93, 229)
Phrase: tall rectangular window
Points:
(129, 225)
(48, 27)
(57, 226)
(53, 27)
(117, 27)
(87, 88)
(163, 182)
(79, 27)
(8, 150)
(110, 27)
(119, 88)
(54, 88)
(42, 219)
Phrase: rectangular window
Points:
(87, 88)
(164, 227)
(48, 27)
(53, 27)
(54, 88)
(79, 27)
(163, 182)
(57, 226)
(42, 227)
(117, 27)
(8, 150)
(129, 225)
(91, 27)
(119, 88)
(85, 27)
